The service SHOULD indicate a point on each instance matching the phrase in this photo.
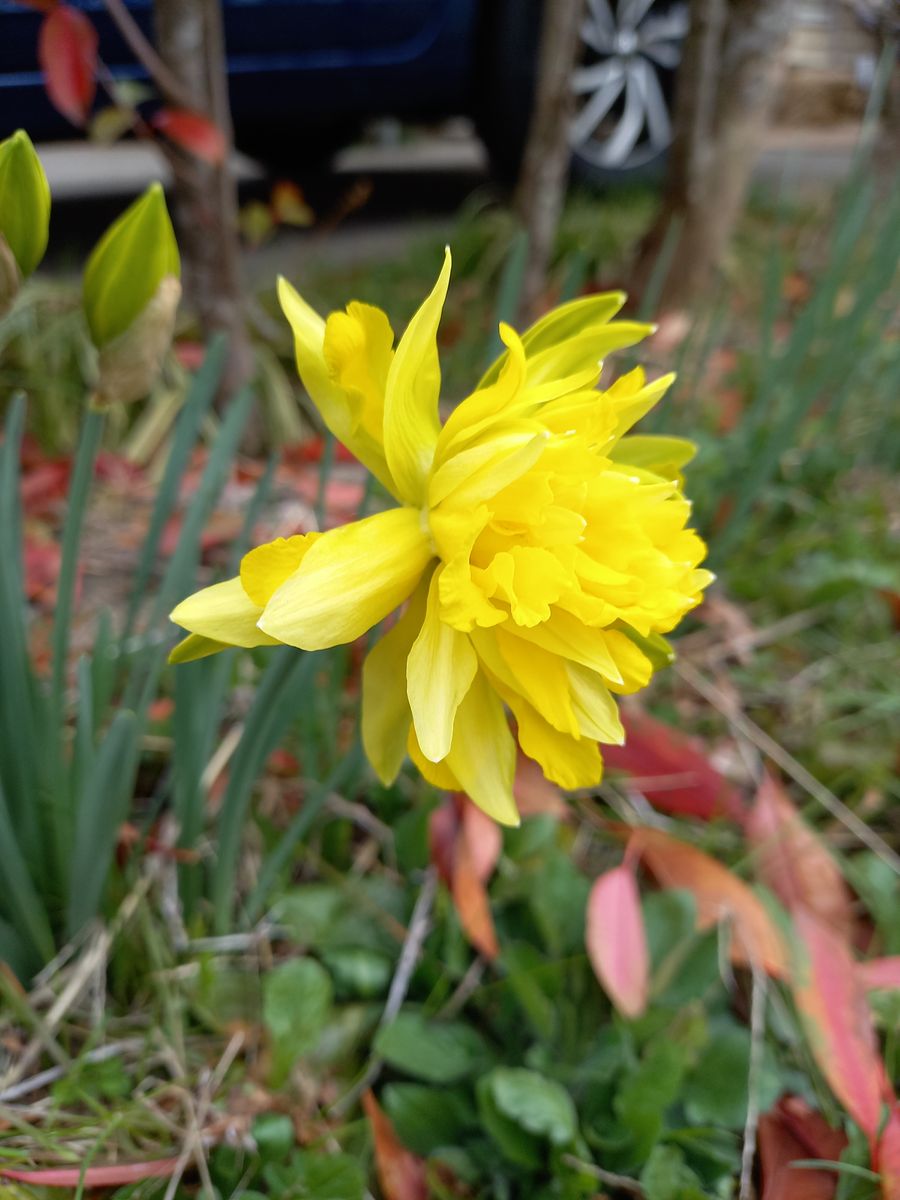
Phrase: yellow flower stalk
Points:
(537, 553)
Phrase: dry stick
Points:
(790, 766)
(167, 82)
(419, 924)
(759, 984)
(622, 1183)
(44, 1078)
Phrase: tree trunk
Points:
(191, 41)
(542, 181)
(726, 84)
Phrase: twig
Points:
(167, 82)
(622, 1183)
(419, 924)
(457, 1001)
(45, 1078)
(758, 983)
(750, 730)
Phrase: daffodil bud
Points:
(24, 213)
(128, 265)
(130, 364)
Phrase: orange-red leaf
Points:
(887, 1157)
(616, 940)
(793, 863)
(192, 132)
(472, 902)
(880, 973)
(672, 770)
(719, 894)
(535, 795)
(465, 845)
(832, 1004)
(400, 1173)
(782, 1142)
(115, 1175)
(67, 52)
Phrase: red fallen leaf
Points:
(674, 773)
(811, 1129)
(190, 355)
(720, 895)
(472, 902)
(887, 1156)
(313, 449)
(67, 52)
(282, 763)
(616, 940)
(44, 485)
(792, 861)
(192, 132)
(835, 1013)
(442, 828)
(880, 974)
(41, 559)
(401, 1173)
(161, 709)
(535, 795)
(781, 1180)
(465, 846)
(116, 1175)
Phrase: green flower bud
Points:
(127, 266)
(129, 366)
(24, 202)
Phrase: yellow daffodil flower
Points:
(538, 551)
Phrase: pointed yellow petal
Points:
(664, 456)
(265, 569)
(194, 647)
(223, 613)
(595, 710)
(349, 580)
(439, 672)
(386, 718)
(340, 409)
(358, 348)
(411, 422)
(632, 398)
(566, 761)
(439, 774)
(567, 321)
(483, 754)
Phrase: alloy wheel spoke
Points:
(625, 136)
(656, 111)
(597, 107)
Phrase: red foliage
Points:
(67, 52)
(193, 132)
(616, 940)
(674, 772)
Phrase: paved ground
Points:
(417, 187)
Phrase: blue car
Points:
(305, 73)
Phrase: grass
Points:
(249, 977)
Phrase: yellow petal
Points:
(568, 637)
(567, 321)
(665, 456)
(223, 613)
(411, 422)
(439, 774)
(386, 719)
(358, 349)
(193, 647)
(349, 580)
(569, 762)
(586, 350)
(265, 569)
(632, 398)
(334, 403)
(596, 711)
(483, 754)
(439, 672)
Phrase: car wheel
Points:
(623, 84)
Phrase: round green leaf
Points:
(538, 1104)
